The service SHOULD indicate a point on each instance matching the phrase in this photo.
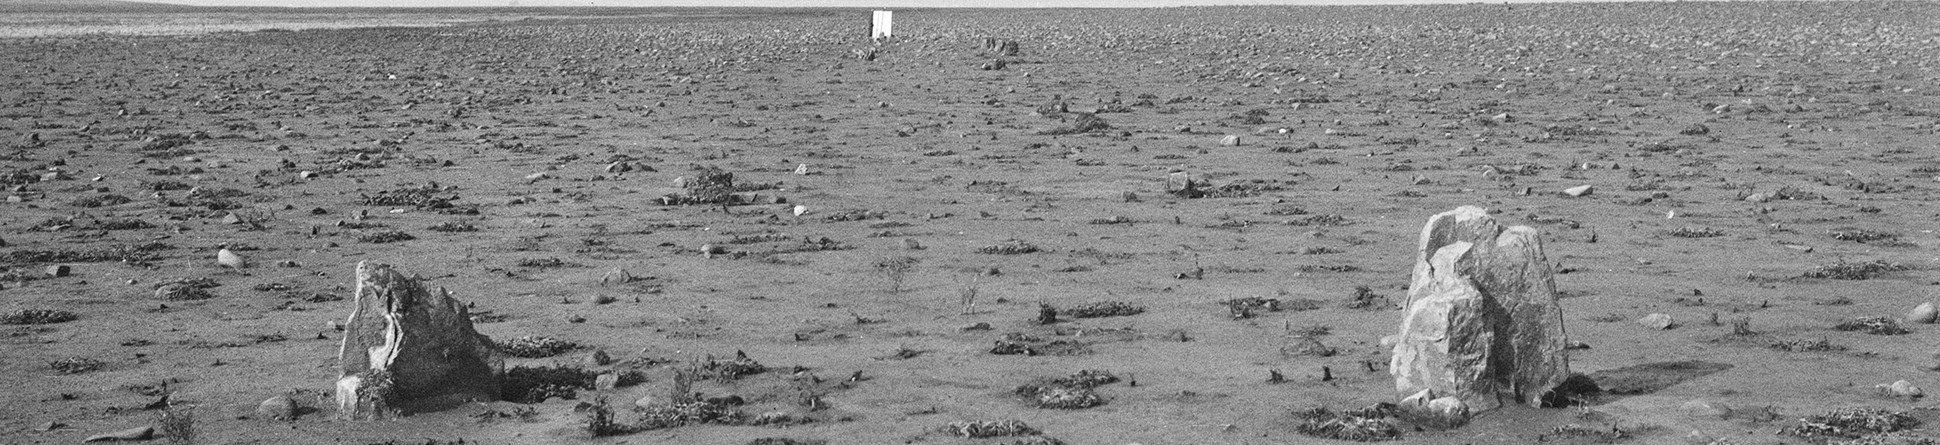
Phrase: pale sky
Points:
(811, 3)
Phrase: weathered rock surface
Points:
(1482, 320)
(1924, 313)
(408, 348)
(277, 408)
(131, 434)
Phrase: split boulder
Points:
(1482, 321)
(407, 348)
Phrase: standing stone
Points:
(1231, 140)
(59, 270)
(410, 349)
(1579, 191)
(1482, 319)
(1656, 321)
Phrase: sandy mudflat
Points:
(1772, 162)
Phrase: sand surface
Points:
(1736, 150)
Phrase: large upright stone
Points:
(1482, 319)
(409, 349)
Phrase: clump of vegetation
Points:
(122, 224)
(1862, 235)
(689, 411)
(101, 200)
(453, 226)
(423, 197)
(178, 425)
(1244, 308)
(1365, 298)
(785, 441)
(1010, 247)
(1851, 423)
(187, 289)
(1073, 392)
(727, 370)
(535, 384)
(988, 428)
(385, 236)
(1696, 232)
(1103, 309)
(1083, 123)
(1821, 345)
(535, 346)
(541, 263)
(1019, 344)
(1844, 270)
(76, 365)
(37, 316)
(895, 269)
(1357, 426)
(599, 419)
(1874, 325)
(133, 254)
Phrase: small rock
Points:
(801, 169)
(1705, 409)
(58, 270)
(800, 210)
(606, 382)
(1758, 197)
(1448, 407)
(1902, 389)
(1924, 313)
(137, 433)
(277, 408)
(616, 276)
(50, 426)
(306, 174)
(535, 177)
(1656, 321)
(599, 358)
(1579, 191)
(710, 250)
(911, 244)
(230, 259)
(232, 218)
(683, 182)
(618, 167)
(1231, 140)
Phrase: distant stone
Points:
(1178, 181)
(616, 276)
(230, 259)
(911, 244)
(131, 434)
(1657, 321)
(1482, 321)
(1231, 140)
(618, 167)
(1902, 389)
(1579, 191)
(800, 210)
(599, 358)
(58, 270)
(1448, 408)
(683, 182)
(1758, 197)
(1705, 409)
(710, 250)
(801, 169)
(277, 408)
(535, 177)
(232, 218)
(606, 382)
(1924, 313)
(405, 344)
(306, 174)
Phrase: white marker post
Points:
(884, 20)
